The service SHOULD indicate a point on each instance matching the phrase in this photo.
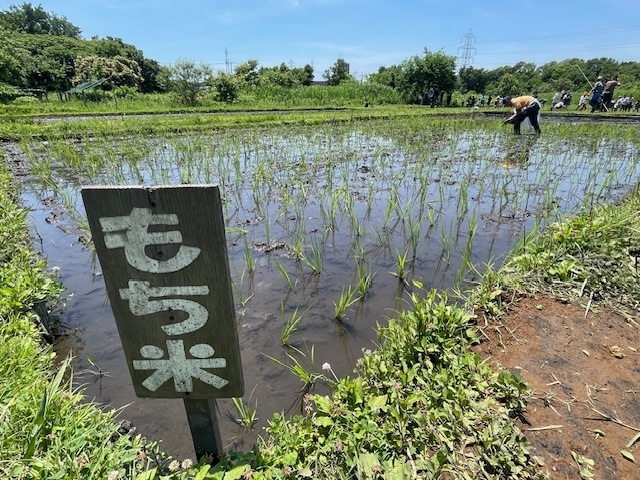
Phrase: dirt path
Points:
(584, 375)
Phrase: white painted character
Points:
(140, 293)
(182, 369)
(131, 233)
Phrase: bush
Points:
(25, 100)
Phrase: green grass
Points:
(47, 429)
(592, 259)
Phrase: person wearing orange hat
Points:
(524, 107)
(584, 99)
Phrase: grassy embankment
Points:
(420, 405)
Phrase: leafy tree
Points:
(12, 58)
(188, 81)
(247, 72)
(34, 20)
(113, 47)
(150, 70)
(601, 66)
(473, 79)
(120, 71)
(528, 75)
(277, 76)
(388, 76)
(510, 84)
(52, 62)
(419, 74)
(284, 76)
(338, 73)
(226, 87)
(304, 74)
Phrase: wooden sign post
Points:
(164, 258)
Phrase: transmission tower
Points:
(466, 59)
(226, 60)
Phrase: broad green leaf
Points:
(202, 472)
(236, 472)
(290, 458)
(378, 402)
(148, 475)
(323, 404)
(323, 421)
(357, 390)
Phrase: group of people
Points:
(561, 99)
(602, 94)
(600, 98)
(625, 104)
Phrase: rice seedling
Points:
(364, 276)
(401, 264)
(239, 289)
(314, 262)
(347, 298)
(303, 369)
(283, 271)
(247, 415)
(291, 323)
(250, 262)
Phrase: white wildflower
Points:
(113, 475)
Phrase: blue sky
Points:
(366, 33)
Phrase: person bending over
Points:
(525, 106)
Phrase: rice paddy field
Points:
(329, 227)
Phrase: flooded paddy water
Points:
(329, 230)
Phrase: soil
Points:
(584, 374)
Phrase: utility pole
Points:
(226, 60)
(466, 59)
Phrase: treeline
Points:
(40, 50)
(572, 74)
(45, 52)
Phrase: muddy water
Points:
(89, 326)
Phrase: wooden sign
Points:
(164, 258)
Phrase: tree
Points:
(120, 71)
(247, 72)
(304, 74)
(420, 74)
(226, 87)
(12, 59)
(150, 70)
(188, 81)
(388, 76)
(284, 76)
(509, 84)
(51, 61)
(475, 79)
(337, 73)
(34, 20)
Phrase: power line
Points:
(588, 33)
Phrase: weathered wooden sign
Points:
(164, 258)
